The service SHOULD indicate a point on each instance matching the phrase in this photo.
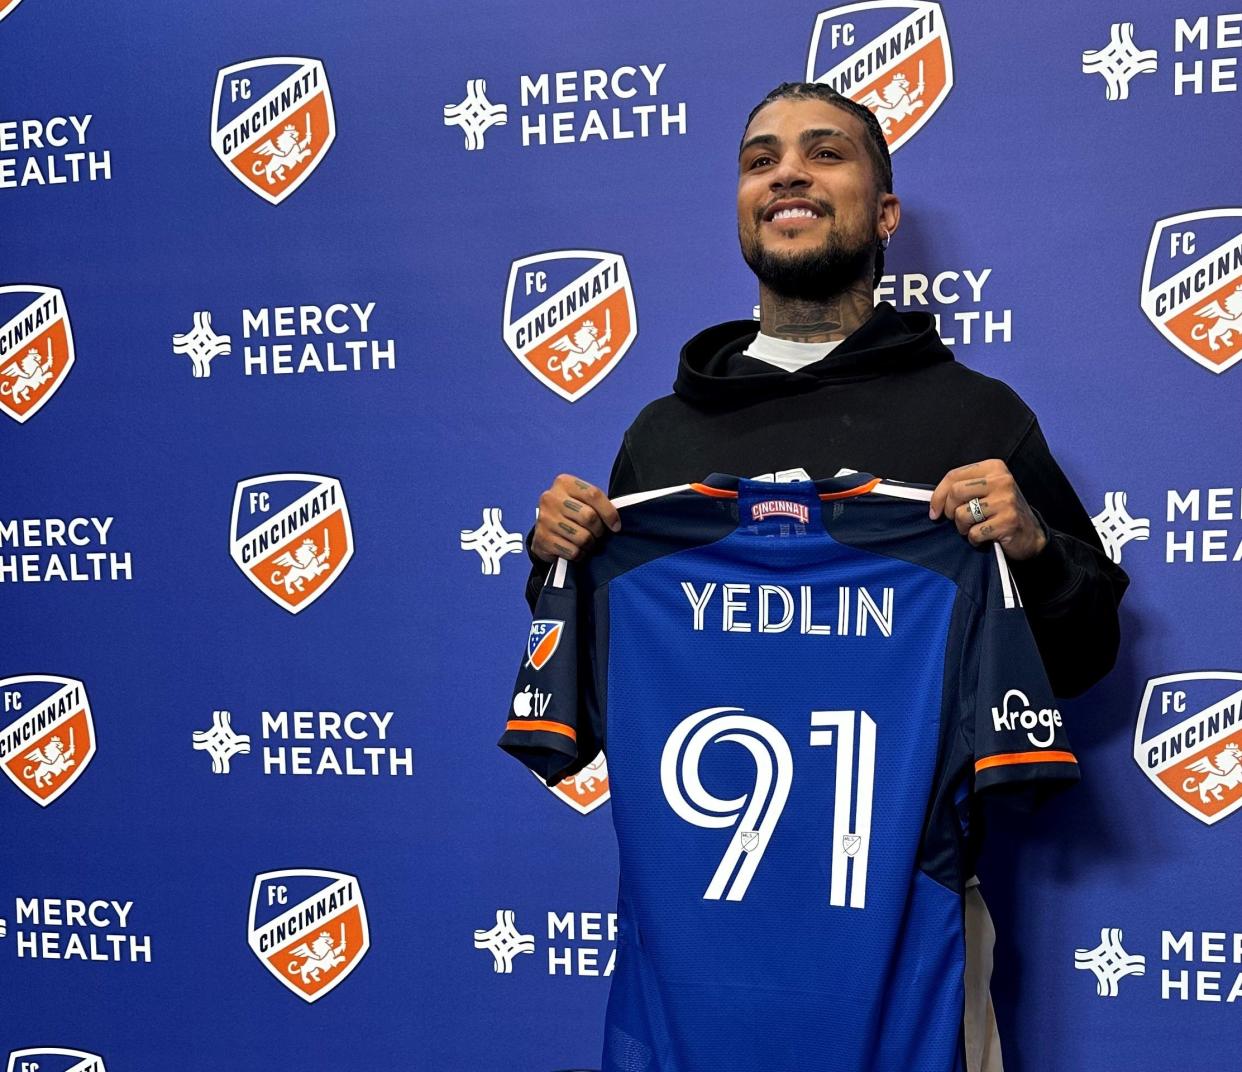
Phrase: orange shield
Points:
(891, 55)
(272, 122)
(48, 736)
(569, 317)
(1188, 741)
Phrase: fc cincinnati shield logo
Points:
(309, 928)
(291, 535)
(1189, 741)
(544, 639)
(584, 791)
(36, 348)
(54, 1059)
(47, 738)
(272, 122)
(891, 55)
(1192, 285)
(569, 317)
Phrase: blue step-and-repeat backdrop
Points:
(279, 391)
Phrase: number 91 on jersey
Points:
(756, 815)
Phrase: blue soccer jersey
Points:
(798, 688)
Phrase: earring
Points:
(887, 238)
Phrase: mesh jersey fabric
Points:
(798, 687)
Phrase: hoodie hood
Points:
(713, 371)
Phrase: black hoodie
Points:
(890, 401)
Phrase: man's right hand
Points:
(572, 516)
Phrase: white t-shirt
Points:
(787, 354)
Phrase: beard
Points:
(814, 274)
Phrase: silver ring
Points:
(976, 510)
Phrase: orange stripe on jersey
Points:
(1008, 758)
(862, 489)
(541, 724)
(715, 493)
(721, 493)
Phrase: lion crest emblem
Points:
(582, 350)
(50, 761)
(302, 565)
(586, 790)
(896, 101)
(27, 373)
(318, 955)
(1225, 317)
(283, 152)
(1221, 772)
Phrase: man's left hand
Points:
(1007, 518)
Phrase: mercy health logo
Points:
(32, 563)
(569, 317)
(291, 535)
(36, 348)
(53, 1058)
(956, 300)
(891, 55)
(577, 943)
(1200, 966)
(309, 928)
(272, 121)
(1195, 524)
(70, 928)
(320, 743)
(475, 114)
(1192, 285)
(1188, 741)
(285, 340)
(1202, 46)
(47, 738)
(50, 152)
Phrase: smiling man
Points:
(832, 381)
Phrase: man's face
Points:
(807, 202)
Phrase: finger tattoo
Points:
(562, 550)
(573, 506)
(566, 528)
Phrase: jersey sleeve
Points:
(1020, 740)
(554, 724)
